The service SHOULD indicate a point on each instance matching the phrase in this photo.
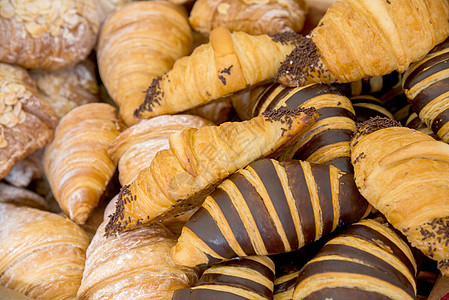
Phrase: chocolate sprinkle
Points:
(374, 124)
(300, 64)
(153, 97)
(227, 70)
(222, 79)
(359, 157)
(114, 225)
(288, 37)
(285, 114)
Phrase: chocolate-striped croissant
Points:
(367, 106)
(426, 85)
(269, 207)
(404, 174)
(366, 261)
(357, 39)
(327, 141)
(250, 277)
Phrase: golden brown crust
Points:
(230, 62)
(43, 255)
(403, 173)
(26, 121)
(76, 162)
(49, 35)
(137, 43)
(358, 39)
(250, 16)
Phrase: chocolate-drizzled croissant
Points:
(358, 39)
(327, 141)
(404, 174)
(267, 208)
(366, 261)
(367, 106)
(426, 86)
(180, 177)
(250, 277)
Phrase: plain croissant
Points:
(76, 162)
(179, 178)
(404, 174)
(230, 62)
(268, 208)
(365, 38)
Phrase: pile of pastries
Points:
(224, 149)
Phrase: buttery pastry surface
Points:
(45, 34)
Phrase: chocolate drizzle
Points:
(300, 64)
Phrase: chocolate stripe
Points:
(417, 124)
(252, 264)
(324, 138)
(274, 103)
(327, 112)
(236, 282)
(264, 224)
(428, 94)
(323, 182)
(205, 227)
(374, 267)
(285, 286)
(270, 179)
(232, 217)
(201, 294)
(341, 293)
(300, 192)
(181, 294)
(309, 92)
(362, 100)
(263, 98)
(364, 113)
(440, 120)
(372, 235)
(342, 163)
(352, 205)
(427, 68)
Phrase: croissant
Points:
(267, 208)
(76, 162)
(230, 62)
(21, 197)
(367, 106)
(425, 85)
(366, 261)
(135, 147)
(245, 278)
(358, 39)
(137, 43)
(327, 141)
(106, 7)
(180, 177)
(26, 121)
(403, 174)
(68, 88)
(49, 35)
(42, 254)
(136, 265)
(414, 122)
(253, 17)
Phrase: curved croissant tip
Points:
(188, 256)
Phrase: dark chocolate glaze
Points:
(300, 192)
(261, 216)
(267, 174)
(352, 204)
(324, 138)
(263, 98)
(328, 112)
(206, 227)
(342, 163)
(428, 94)
(235, 223)
(440, 120)
(252, 264)
(342, 293)
(202, 294)
(285, 286)
(181, 294)
(426, 69)
(323, 183)
(309, 92)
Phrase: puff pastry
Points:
(68, 88)
(267, 208)
(368, 260)
(249, 277)
(47, 34)
(138, 43)
(76, 162)
(26, 121)
(230, 62)
(21, 197)
(250, 16)
(425, 85)
(403, 174)
(135, 265)
(357, 39)
(179, 178)
(42, 254)
(135, 147)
